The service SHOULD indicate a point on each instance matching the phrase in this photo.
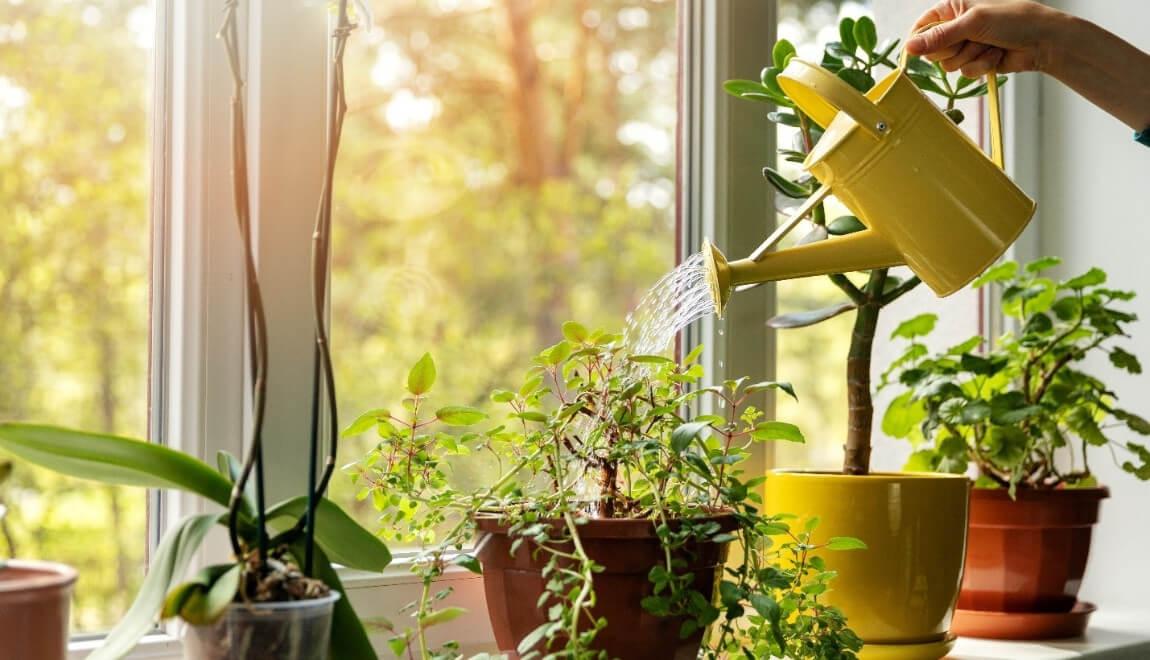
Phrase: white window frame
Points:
(198, 380)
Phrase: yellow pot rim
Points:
(871, 477)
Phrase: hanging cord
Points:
(323, 387)
(256, 322)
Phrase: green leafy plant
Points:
(1020, 411)
(595, 433)
(855, 58)
(281, 552)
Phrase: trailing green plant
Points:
(280, 552)
(590, 433)
(857, 57)
(1021, 411)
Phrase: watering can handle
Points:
(821, 95)
(993, 105)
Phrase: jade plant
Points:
(857, 57)
(593, 432)
(280, 552)
(1021, 411)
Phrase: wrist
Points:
(1060, 34)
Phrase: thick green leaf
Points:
(755, 91)
(857, 78)
(340, 536)
(113, 459)
(804, 319)
(847, 34)
(349, 640)
(169, 562)
(845, 224)
(782, 53)
(204, 599)
(926, 82)
(786, 186)
(422, 375)
(772, 385)
(460, 415)
(866, 36)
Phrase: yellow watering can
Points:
(927, 194)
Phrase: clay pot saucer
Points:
(1023, 625)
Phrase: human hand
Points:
(977, 36)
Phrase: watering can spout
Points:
(864, 250)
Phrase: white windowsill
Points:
(1112, 635)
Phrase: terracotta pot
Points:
(627, 549)
(1028, 554)
(35, 598)
(899, 594)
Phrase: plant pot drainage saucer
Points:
(1023, 625)
(922, 651)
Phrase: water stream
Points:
(678, 299)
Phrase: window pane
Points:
(813, 358)
(74, 81)
(506, 166)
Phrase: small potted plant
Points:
(35, 599)
(1025, 418)
(606, 531)
(279, 597)
(919, 542)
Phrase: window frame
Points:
(198, 383)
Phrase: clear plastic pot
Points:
(296, 630)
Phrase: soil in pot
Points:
(291, 620)
(1026, 556)
(35, 598)
(627, 549)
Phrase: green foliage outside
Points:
(74, 81)
(1019, 411)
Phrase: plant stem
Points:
(424, 598)
(860, 406)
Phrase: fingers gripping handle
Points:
(992, 99)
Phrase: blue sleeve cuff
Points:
(1143, 137)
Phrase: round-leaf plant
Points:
(591, 433)
(1021, 411)
(856, 58)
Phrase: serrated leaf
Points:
(1000, 273)
(919, 326)
(1092, 277)
(422, 375)
(1125, 360)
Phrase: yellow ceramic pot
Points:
(899, 594)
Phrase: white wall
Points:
(1095, 203)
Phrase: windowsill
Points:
(1113, 635)
(1122, 635)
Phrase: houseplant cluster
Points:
(1026, 418)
